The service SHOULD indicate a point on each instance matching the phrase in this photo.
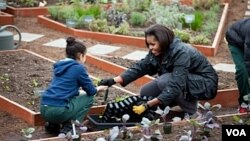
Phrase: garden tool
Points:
(7, 39)
(106, 94)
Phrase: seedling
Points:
(146, 130)
(239, 120)
(208, 107)
(187, 136)
(126, 134)
(27, 133)
(167, 127)
(202, 128)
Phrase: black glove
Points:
(107, 82)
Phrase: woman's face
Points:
(153, 45)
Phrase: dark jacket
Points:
(69, 76)
(181, 60)
(238, 35)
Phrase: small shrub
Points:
(98, 25)
(29, 3)
(204, 4)
(137, 19)
(200, 39)
(53, 11)
(122, 29)
(182, 34)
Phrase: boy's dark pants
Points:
(241, 74)
(76, 109)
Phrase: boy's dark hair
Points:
(163, 35)
(73, 48)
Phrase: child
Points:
(238, 39)
(61, 102)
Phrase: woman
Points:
(61, 102)
(185, 75)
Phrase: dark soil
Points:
(40, 70)
(34, 72)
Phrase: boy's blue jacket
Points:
(69, 76)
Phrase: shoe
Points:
(52, 128)
(242, 110)
(66, 130)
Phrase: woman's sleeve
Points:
(138, 70)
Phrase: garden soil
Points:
(11, 126)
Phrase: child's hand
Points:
(101, 88)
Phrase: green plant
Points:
(211, 24)
(99, 25)
(138, 5)
(169, 15)
(53, 11)
(200, 4)
(200, 39)
(29, 3)
(182, 34)
(238, 120)
(27, 132)
(137, 19)
(122, 29)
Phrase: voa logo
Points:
(236, 132)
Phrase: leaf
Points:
(159, 111)
(236, 118)
(246, 97)
(166, 111)
(207, 106)
(218, 106)
(113, 133)
(28, 136)
(30, 130)
(145, 121)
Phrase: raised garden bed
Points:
(26, 12)
(34, 71)
(210, 50)
(6, 18)
(178, 129)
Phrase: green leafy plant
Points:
(204, 4)
(182, 34)
(122, 29)
(137, 19)
(238, 120)
(116, 133)
(29, 3)
(200, 39)
(202, 127)
(147, 132)
(27, 132)
(53, 11)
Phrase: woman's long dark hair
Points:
(163, 35)
(73, 48)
